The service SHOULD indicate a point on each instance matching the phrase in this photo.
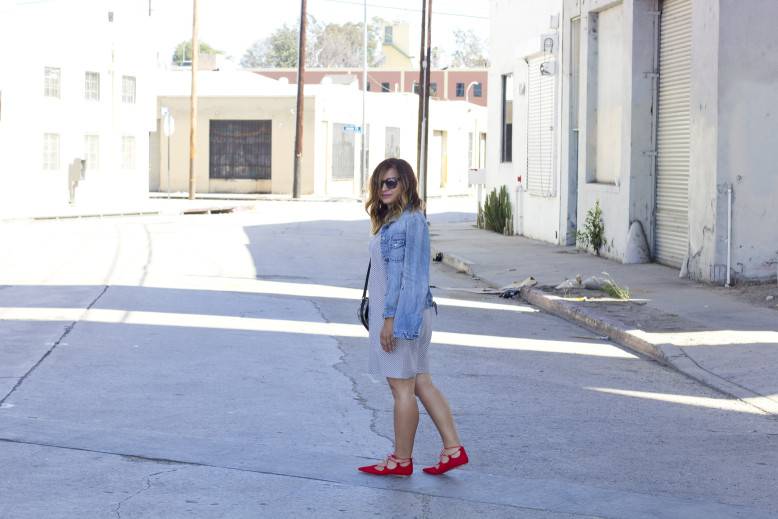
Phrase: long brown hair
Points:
(381, 213)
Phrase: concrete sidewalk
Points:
(726, 338)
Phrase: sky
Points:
(234, 25)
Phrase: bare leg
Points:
(406, 415)
(437, 407)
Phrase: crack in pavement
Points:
(361, 400)
(146, 481)
(67, 331)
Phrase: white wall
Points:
(516, 29)
(734, 124)
(52, 35)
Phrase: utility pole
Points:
(193, 106)
(424, 94)
(298, 137)
(363, 173)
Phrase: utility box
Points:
(76, 173)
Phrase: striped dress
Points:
(409, 357)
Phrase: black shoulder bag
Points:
(364, 307)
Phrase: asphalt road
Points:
(213, 366)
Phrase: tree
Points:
(277, 50)
(470, 50)
(330, 45)
(183, 51)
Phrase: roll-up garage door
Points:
(540, 126)
(673, 128)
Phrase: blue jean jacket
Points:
(405, 248)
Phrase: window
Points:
(50, 151)
(605, 95)
(385, 87)
(506, 147)
(460, 90)
(368, 86)
(51, 82)
(92, 86)
(388, 35)
(343, 150)
(92, 151)
(415, 87)
(241, 149)
(128, 89)
(434, 89)
(128, 152)
(477, 90)
(392, 145)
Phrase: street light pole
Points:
(363, 173)
(467, 99)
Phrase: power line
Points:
(406, 9)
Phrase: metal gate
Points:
(342, 152)
(240, 149)
(673, 128)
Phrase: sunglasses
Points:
(391, 182)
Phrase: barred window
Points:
(460, 90)
(128, 89)
(50, 151)
(92, 151)
(128, 152)
(92, 86)
(477, 90)
(51, 81)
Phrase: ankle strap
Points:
(392, 456)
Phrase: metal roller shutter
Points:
(540, 129)
(673, 128)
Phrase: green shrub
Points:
(593, 233)
(497, 211)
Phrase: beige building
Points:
(246, 131)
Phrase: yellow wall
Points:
(280, 110)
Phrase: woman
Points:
(400, 317)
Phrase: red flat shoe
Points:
(392, 466)
(449, 461)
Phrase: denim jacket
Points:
(405, 248)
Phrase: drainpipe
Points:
(729, 233)
(519, 217)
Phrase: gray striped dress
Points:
(409, 357)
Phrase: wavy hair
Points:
(380, 213)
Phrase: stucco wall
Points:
(515, 30)
(280, 110)
(747, 129)
(107, 48)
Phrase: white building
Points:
(246, 129)
(658, 109)
(74, 85)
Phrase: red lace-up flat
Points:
(454, 458)
(392, 466)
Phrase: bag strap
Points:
(367, 276)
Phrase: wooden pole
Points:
(424, 94)
(193, 106)
(298, 137)
(420, 144)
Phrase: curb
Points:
(668, 355)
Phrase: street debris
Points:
(514, 288)
(595, 338)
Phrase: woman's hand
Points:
(387, 335)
